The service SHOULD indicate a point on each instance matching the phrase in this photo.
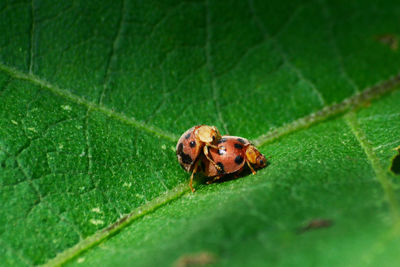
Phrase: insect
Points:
(193, 144)
(232, 154)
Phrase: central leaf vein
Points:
(81, 101)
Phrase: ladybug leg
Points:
(205, 151)
(251, 168)
(214, 179)
(211, 145)
(191, 177)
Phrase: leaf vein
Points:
(380, 172)
(367, 95)
(329, 20)
(5, 85)
(179, 190)
(15, 252)
(81, 101)
(90, 164)
(40, 197)
(112, 55)
(32, 37)
(113, 229)
(283, 54)
(393, 143)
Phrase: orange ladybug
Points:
(231, 156)
(194, 143)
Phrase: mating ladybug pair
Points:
(203, 146)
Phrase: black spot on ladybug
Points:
(192, 144)
(241, 140)
(222, 140)
(180, 149)
(187, 136)
(239, 159)
(238, 146)
(221, 167)
(186, 158)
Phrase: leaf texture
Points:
(94, 96)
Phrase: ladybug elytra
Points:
(194, 143)
(232, 155)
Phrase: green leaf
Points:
(94, 96)
(335, 171)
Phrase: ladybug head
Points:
(208, 134)
(261, 161)
(255, 157)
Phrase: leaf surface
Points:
(336, 171)
(94, 97)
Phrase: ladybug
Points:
(232, 154)
(193, 144)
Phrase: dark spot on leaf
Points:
(390, 40)
(198, 259)
(187, 136)
(192, 144)
(316, 224)
(395, 167)
(238, 159)
(222, 170)
(238, 146)
(241, 140)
